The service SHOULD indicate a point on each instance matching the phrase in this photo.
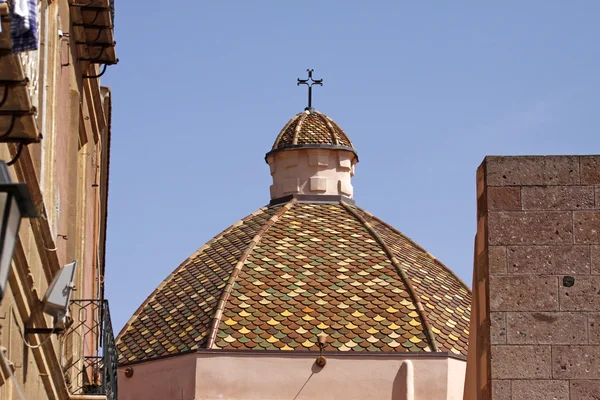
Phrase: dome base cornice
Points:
(313, 198)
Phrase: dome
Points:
(311, 128)
(289, 271)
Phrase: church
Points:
(312, 297)
(308, 297)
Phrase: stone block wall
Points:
(536, 311)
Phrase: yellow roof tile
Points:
(304, 266)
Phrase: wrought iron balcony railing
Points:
(89, 352)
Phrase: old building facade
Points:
(311, 297)
(536, 282)
(55, 123)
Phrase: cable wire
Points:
(36, 346)
(7, 363)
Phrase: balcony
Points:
(89, 355)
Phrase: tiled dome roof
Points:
(311, 127)
(282, 275)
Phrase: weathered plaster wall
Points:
(293, 376)
(537, 280)
(169, 378)
(456, 378)
(67, 174)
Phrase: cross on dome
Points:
(310, 82)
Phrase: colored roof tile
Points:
(311, 128)
(284, 274)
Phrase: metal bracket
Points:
(93, 40)
(93, 26)
(98, 58)
(20, 146)
(13, 120)
(7, 85)
(97, 9)
(96, 76)
(43, 331)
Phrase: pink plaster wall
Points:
(312, 171)
(282, 376)
(170, 378)
(457, 371)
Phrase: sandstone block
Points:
(585, 390)
(318, 184)
(504, 198)
(501, 390)
(529, 227)
(521, 362)
(576, 362)
(557, 197)
(498, 327)
(345, 187)
(523, 293)
(540, 390)
(272, 167)
(560, 259)
(546, 328)
(595, 259)
(586, 227)
(594, 327)
(481, 182)
(497, 259)
(291, 185)
(289, 159)
(547, 170)
(273, 191)
(590, 170)
(345, 159)
(318, 158)
(480, 238)
(584, 295)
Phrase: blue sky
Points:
(425, 92)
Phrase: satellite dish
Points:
(57, 297)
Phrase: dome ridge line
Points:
(415, 298)
(299, 126)
(282, 132)
(334, 138)
(185, 262)
(339, 133)
(418, 246)
(234, 274)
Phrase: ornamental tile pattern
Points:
(313, 268)
(446, 300)
(311, 128)
(176, 317)
(319, 270)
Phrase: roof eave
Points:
(312, 146)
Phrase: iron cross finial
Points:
(310, 82)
